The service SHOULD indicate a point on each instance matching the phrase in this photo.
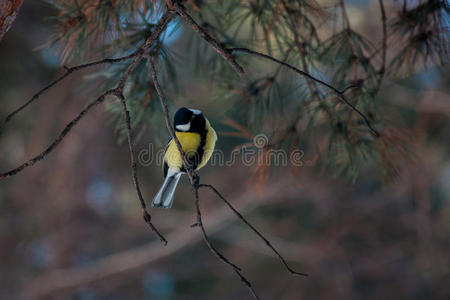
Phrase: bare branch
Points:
(147, 216)
(139, 53)
(66, 74)
(181, 10)
(60, 137)
(339, 93)
(134, 259)
(214, 190)
(118, 92)
(159, 27)
(194, 181)
(216, 252)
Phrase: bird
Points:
(197, 139)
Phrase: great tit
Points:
(197, 139)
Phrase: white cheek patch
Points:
(195, 111)
(184, 127)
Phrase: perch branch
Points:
(238, 214)
(339, 93)
(169, 126)
(194, 183)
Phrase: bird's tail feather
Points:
(164, 197)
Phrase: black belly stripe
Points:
(197, 158)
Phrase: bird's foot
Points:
(196, 181)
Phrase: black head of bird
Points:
(189, 120)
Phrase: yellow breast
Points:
(190, 141)
(211, 138)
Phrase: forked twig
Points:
(243, 219)
(138, 54)
(216, 252)
(60, 137)
(118, 92)
(191, 175)
(60, 78)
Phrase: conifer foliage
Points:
(317, 39)
(331, 103)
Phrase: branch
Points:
(312, 85)
(169, 126)
(159, 27)
(60, 137)
(382, 70)
(194, 182)
(125, 262)
(147, 216)
(339, 93)
(66, 74)
(118, 92)
(214, 190)
(345, 15)
(225, 53)
(139, 53)
(216, 252)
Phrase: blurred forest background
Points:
(71, 226)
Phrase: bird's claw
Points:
(196, 180)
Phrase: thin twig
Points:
(348, 34)
(66, 74)
(312, 85)
(137, 53)
(124, 263)
(118, 92)
(162, 23)
(345, 15)
(180, 9)
(339, 93)
(216, 252)
(382, 70)
(243, 219)
(147, 216)
(60, 137)
(159, 27)
(353, 86)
